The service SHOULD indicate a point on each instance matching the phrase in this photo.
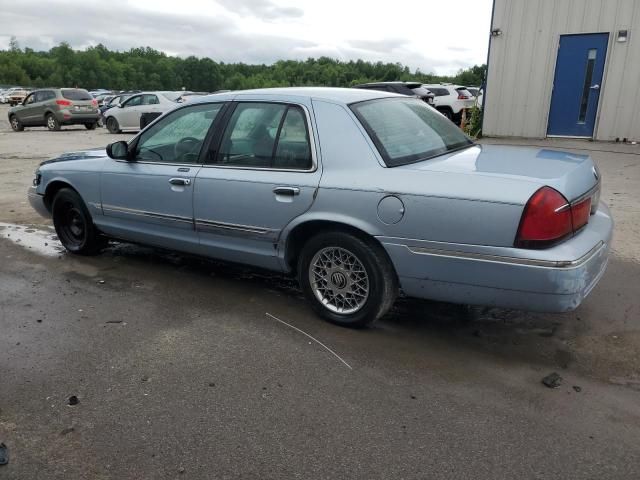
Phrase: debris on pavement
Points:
(4, 454)
(73, 400)
(67, 431)
(577, 388)
(553, 380)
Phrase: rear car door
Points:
(261, 173)
(150, 198)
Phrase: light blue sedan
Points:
(361, 194)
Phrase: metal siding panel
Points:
(493, 103)
(514, 57)
(621, 97)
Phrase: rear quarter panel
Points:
(438, 206)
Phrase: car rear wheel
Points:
(16, 125)
(52, 122)
(349, 282)
(74, 225)
(112, 125)
(91, 126)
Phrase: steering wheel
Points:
(185, 146)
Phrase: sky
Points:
(433, 36)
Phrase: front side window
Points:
(178, 137)
(30, 99)
(266, 135)
(408, 130)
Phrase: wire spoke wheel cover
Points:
(339, 280)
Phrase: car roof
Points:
(334, 94)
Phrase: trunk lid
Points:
(571, 174)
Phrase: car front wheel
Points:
(91, 126)
(16, 125)
(112, 125)
(349, 281)
(74, 225)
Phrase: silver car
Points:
(361, 194)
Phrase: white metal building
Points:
(568, 68)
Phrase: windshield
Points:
(408, 130)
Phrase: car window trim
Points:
(133, 143)
(225, 123)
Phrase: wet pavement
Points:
(188, 368)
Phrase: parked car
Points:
(412, 89)
(127, 114)
(54, 107)
(4, 96)
(452, 100)
(16, 97)
(359, 193)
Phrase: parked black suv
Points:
(411, 89)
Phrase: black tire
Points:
(447, 113)
(381, 279)
(74, 225)
(91, 126)
(52, 122)
(16, 124)
(113, 126)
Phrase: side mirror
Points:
(118, 150)
(119, 105)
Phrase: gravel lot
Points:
(180, 373)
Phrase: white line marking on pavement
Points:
(312, 338)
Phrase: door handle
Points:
(595, 87)
(290, 191)
(180, 181)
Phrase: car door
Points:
(261, 173)
(129, 116)
(150, 198)
(26, 113)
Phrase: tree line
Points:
(147, 69)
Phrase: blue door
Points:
(577, 84)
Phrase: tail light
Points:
(461, 96)
(64, 103)
(548, 218)
(94, 102)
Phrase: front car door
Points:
(26, 113)
(262, 172)
(129, 115)
(150, 198)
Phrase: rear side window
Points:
(77, 94)
(266, 135)
(407, 130)
(439, 92)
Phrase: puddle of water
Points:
(40, 240)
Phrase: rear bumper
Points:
(67, 118)
(553, 280)
(37, 202)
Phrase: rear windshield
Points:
(76, 94)
(408, 130)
